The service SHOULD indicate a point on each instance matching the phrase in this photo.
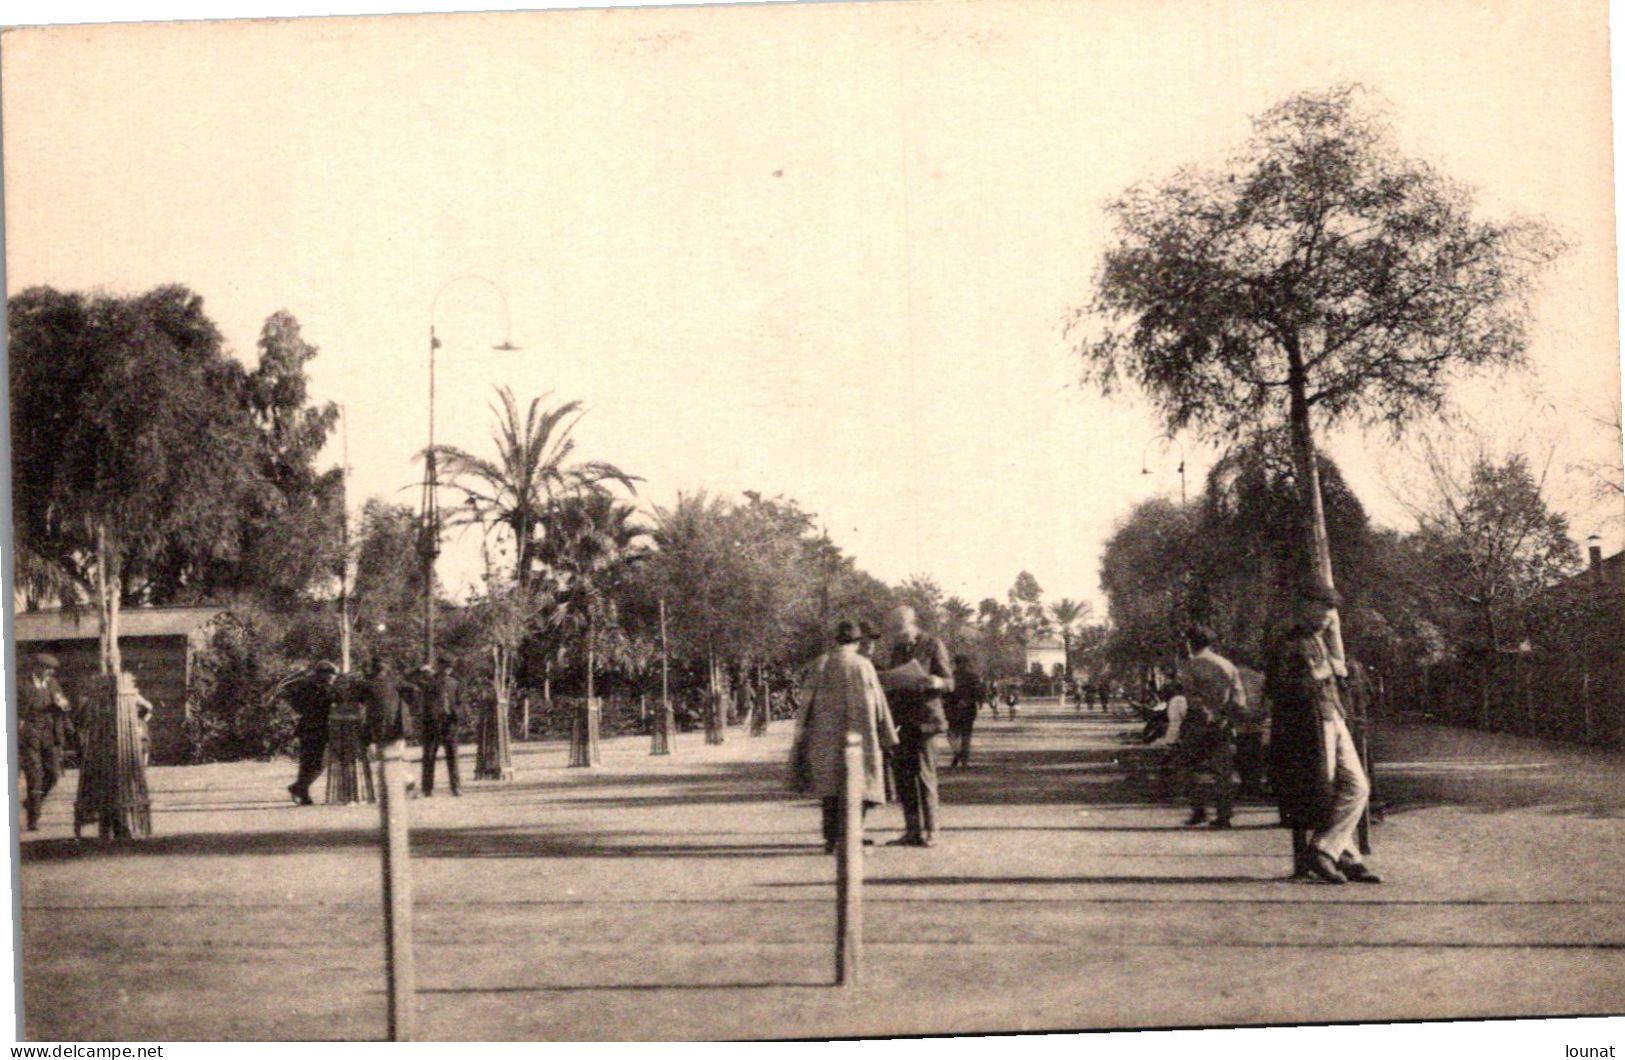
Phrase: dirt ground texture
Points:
(687, 897)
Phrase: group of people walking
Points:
(899, 700)
(432, 698)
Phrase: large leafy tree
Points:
(1250, 524)
(1027, 616)
(290, 528)
(129, 438)
(1492, 543)
(1319, 276)
(1149, 572)
(924, 595)
(388, 583)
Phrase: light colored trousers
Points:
(1350, 789)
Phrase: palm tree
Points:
(1067, 614)
(590, 541)
(531, 473)
(956, 614)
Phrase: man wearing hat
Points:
(41, 718)
(442, 713)
(311, 698)
(1314, 767)
(868, 637)
(917, 709)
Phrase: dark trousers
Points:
(959, 734)
(1215, 755)
(1250, 762)
(915, 764)
(41, 762)
(832, 817)
(434, 738)
(312, 757)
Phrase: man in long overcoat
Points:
(961, 706)
(311, 698)
(383, 712)
(1314, 770)
(842, 695)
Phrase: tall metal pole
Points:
(665, 661)
(344, 546)
(429, 545)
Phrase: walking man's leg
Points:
(831, 807)
(927, 771)
(906, 762)
(431, 748)
(452, 776)
(1351, 792)
(312, 757)
(34, 772)
(1224, 765)
(50, 767)
(1190, 782)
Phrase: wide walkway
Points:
(687, 897)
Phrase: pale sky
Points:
(822, 251)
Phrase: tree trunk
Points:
(591, 660)
(1307, 465)
(108, 591)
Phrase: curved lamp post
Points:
(1165, 438)
(429, 533)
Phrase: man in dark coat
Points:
(381, 697)
(917, 709)
(311, 698)
(42, 711)
(441, 712)
(1314, 770)
(961, 706)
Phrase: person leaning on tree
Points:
(1315, 771)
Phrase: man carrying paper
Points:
(919, 670)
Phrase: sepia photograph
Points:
(766, 522)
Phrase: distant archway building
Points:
(1046, 657)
